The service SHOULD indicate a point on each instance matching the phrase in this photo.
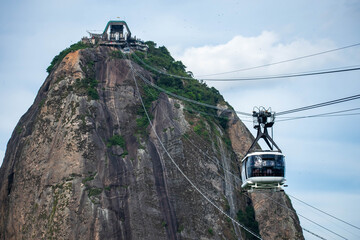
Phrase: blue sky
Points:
(218, 36)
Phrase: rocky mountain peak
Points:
(84, 163)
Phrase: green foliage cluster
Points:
(18, 129)
(116, 140)
(117, 54)
(94, 191)
(142, 121)
(227, 141)
(248, 219)
(63, 53)
(200, 129)
(160, 58)
(41, 103)
(89, 85)
(163, 224)
(180, 229)
(89, 178)
(223, 122)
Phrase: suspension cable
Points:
(193, 101)
(186, 99)
(236, 177)
(314, 234)
(317, 224)
(343, 221)
(290, 75)
(327, 103)
(329, 114)
(284, 61)
(238, 112)
(159, 71)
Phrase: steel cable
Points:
(235, 187)
(284, 61)
(190, 100)
(323, 104)
(290, 75)
(325, 213)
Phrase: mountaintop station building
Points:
(116, 33)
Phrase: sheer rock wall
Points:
(61, 179)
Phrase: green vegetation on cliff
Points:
(204, 125)
(116, 140)
(63, 53)
(160, 58)
(248, 219)
(88, 85)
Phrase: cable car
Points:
(263, 169)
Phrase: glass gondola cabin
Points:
(263, 170)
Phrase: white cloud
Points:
(246, 52)
(321, 153)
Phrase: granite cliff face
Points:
(83, 163)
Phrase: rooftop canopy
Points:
(116, 23)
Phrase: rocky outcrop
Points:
(277, 219)
(273, 210)
(83, 163)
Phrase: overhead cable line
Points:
(238, 112)
(193, 101)
(343, 221)
(178, 96)
(327, 103)
(284, 61)
(329, 114)
(198, 148)
(161, 72)
(214, 159)
(236, 177)
(316, 235)
(317, 224)
(187, 99)
(316, 116)
(291, 75)
(177, 166)
(146, 81)
(215, 115)
(258, 78)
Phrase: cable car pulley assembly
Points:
(263, 169)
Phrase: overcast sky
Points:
(218, 36)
